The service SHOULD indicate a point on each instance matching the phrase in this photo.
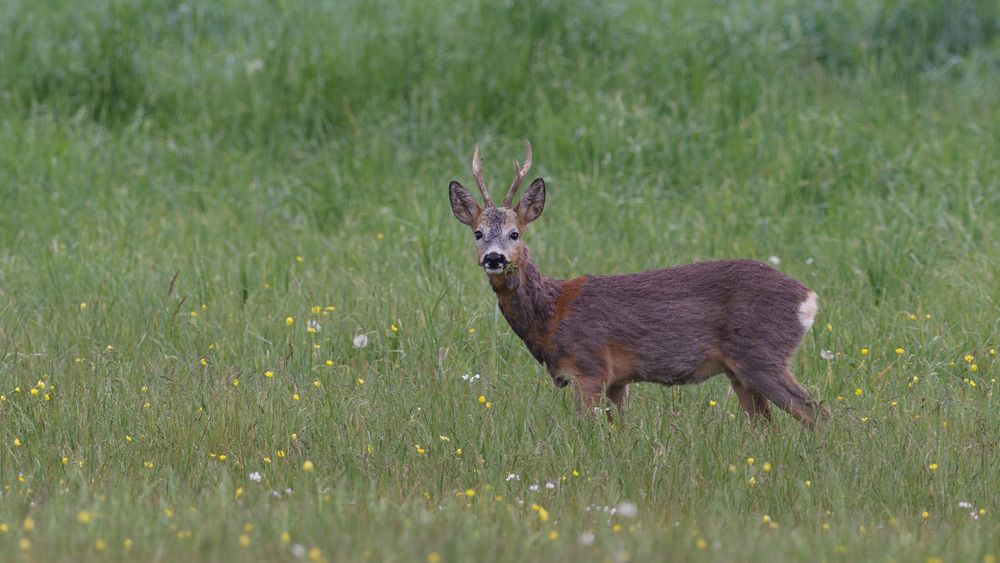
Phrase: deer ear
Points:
(532, 202)
(463, 204)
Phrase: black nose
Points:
(494, 260)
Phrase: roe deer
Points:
(673, 326)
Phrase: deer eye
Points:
(479, 235)
(514, 235)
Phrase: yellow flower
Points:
(925, 515)
(315, 554)
(712, 403)
(826, 526)
(286, 537)
(444, 438)
(543, 514)
(361, 381)
(482, 399)
(829, 327)
(203, 362)
(864, 351)
(289, 321)
(300, 259)
(84, 517)
(933, 467)
(17, 442)
(858, 392)
(194, 314)
(420, 449)
(317, 384)
(576, 473)
(553, 535)
(295, 396)
(268, 373)
(900, 351)
(329, 363)
(472, 330)
(470, 492)
(4, 528)
(433, 557)
(100, 545)
(767, 467)
(147, 464)
(247, 527)
(808, 483)
(83, 306)
(751, 461)
(974, 368)
(40, 384)
(25, 544)
(244, 540)
(701, 543)
(393, 327)
(34, 391)
(968, 358)
(616, 528)
(307, 466)
(28, 524)
(222, 457)
(913, 317)
(281, 454)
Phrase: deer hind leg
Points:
(754, 404)
(779, 386)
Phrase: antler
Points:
(520, 173)
(477, 173)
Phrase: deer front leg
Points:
(588, 391)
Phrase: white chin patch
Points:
(493, 271)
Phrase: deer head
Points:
(498, 230)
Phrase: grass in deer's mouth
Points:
(290, 161)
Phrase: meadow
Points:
(238, 320)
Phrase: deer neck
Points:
(527, 299)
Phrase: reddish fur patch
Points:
(620, 363)
(563, 305)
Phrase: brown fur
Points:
(673, 326)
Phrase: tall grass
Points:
(186, 185)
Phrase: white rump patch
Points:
(808, 309)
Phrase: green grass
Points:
(179, 179)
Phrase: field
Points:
(238, 320)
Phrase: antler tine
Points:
(477, 173)
(519, 173)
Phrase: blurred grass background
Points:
(284, 157)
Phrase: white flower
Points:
(313, 326)
(774, 260)
(627, 509)
(361, 341)
(299, 550)
(826, 355)
(587, 538)
(964, 504)
(254, 66)
(255, 477)
(533, 488)
(550, 485)
(513, 477)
